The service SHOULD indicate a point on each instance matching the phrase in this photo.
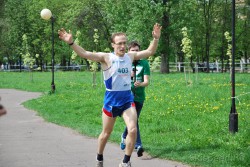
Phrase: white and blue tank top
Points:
(117, 79)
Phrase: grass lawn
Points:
(187, 123)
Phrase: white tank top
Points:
(118, 76)
(117, 79)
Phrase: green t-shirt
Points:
(142, 68)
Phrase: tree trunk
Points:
(222, 58)
(94, 79)
(20, 63)
(87, 64)
(164, 63)
(207, 18)
(41, 62)
(245, 56)
(207, 49)
(181, 60)
(165, 42)
(63, 61)
(223, 41)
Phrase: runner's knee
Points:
(106, 134)
(132, 131)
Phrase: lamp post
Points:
(46, 15)
(233, 116)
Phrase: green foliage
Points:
(135, 18)
(186, 44)
(206, 21)
(155, 63)
(229, 48)
(189, 14)
(28, 59)
(93, 64)
(74, 55)
(96, 37)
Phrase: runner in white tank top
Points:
(117, 80)
(118, 95)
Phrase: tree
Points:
(165, 39)
(28, 59)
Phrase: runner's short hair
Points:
(117, 34)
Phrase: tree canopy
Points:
(206, 22)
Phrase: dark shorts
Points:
(114, 111)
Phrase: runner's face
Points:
(134, 49)
(119, 45)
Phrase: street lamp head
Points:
(46, 14)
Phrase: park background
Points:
(185, 117)
(24, 34)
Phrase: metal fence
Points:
(213, 67)
(44, 68)
(173, 66)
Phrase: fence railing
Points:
(44, 68)
(173, 66)
(202, 67)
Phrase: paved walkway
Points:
(26, 140)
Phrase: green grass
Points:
(178, 122)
